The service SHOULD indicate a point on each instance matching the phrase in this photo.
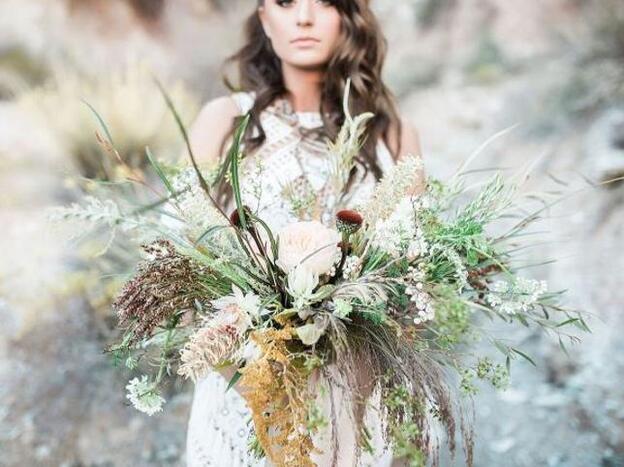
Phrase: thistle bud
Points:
(235, 216)
(348, 221)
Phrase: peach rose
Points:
(309, 243)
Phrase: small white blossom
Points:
(342, 308)
(248, 303)
(400, 233)
(352, 267)
(425, 314)
(143, 395)
(420, 299)
(251, 352)
(301, 284)
(517, 296)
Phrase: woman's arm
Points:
(410, 140)
(211, 128)
(409, 146)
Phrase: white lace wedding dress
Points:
(219, 422)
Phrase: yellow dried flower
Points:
(276, 392)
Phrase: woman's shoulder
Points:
(225, 106)
(214, 123)
(233, 104)
(218, 113)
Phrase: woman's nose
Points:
(305, 15)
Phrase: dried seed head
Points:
(165, 284)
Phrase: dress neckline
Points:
(307, 119)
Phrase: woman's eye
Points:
(289, 2)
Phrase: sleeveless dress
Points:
(220, 422)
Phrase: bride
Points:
(292, 70)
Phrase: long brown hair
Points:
(359, 55)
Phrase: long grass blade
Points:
(101, 122)
(159, 171)
(233, 157)
(480, 149)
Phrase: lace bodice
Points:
(292, 166)
(292, 156)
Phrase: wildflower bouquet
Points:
(389, 293)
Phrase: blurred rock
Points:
(64, 403)
(604, 146)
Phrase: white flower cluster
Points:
(196, 209)
(418, 296)
(143, 396)
(400, 233)
(394, 186)
(352, 267)
(517, 296)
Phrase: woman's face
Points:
(303, 33)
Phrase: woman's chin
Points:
(308, 63)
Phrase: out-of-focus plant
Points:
(596, 79)
(429, 11)
(97, 279)
(18, 71)
(146, 10)
(608, 24)
(152, 11)
(601, 62)
(129, 103)
(488, 62)
(136, 116)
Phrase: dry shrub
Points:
(130, 105)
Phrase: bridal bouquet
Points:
(387, 299)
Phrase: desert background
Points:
(463, 70)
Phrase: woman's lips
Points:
(305, 41)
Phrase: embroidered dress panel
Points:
(282, 180)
